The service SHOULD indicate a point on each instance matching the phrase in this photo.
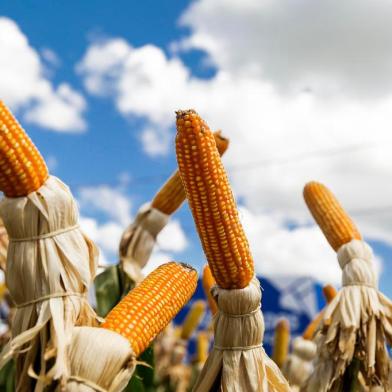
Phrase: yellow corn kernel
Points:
(212, 203)
(22, 168)
(172, 194)
(149, 307)
(334, 222)
(281, 342)
(193, 319)
(209, 281)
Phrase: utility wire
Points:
(318, 154)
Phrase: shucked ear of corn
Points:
(193, 319)
(212, 203)
(208, 282)
(23, 170)
(105, 358)
(237, 360)
(50, 265)
(281, 342)
(358, 322)
(149, 307)
(170, 197)
(336, 225)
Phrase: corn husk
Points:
(139, 239)
(299, 366)
(356, 324)
(3, 246)
(238, 357)
(100, 360)
(54, 270)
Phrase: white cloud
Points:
(113, 203)
(25, 87)
(279, 139)
(329, 47)
(106, 236)
(301, 251)
(172, 238)
(157, 258)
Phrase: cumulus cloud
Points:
(172, 238)
(112, 202)
(328, 47)
(284, 130)
(25, 87)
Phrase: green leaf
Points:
(7, 377)
(107, 290)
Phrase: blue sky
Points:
(302, 93)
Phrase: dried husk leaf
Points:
(3, 246)
(356, 324)
(100, 360)
(138, 240)
(299, 366)
(59, 264)
(238, 357)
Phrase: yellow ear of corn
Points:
(329, 294)
(203, 343)
(149, 307)
(209, 281)
(193, 319)
(281, 342)
(334, 222)
(212, 203)
(170, 197)
(22, 168)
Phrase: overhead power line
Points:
(316, 154)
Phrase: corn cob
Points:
(209, 281)
(329, 294)
(192, 319)
(212, 203)
(281, 342)
(203, 343)
(149, 307)
(334, 222)
(22, 168)
(170, 197)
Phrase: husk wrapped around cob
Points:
(358, 322)
(237, 361)
(3, 246)
(299, 365)
(139, 238)
(50, 262)
(104, 359)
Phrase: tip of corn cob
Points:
(212, 202)
(149, 307)
(334, 222)
(282, 325)
(329, 293)
(22, 168)
(222, 142)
